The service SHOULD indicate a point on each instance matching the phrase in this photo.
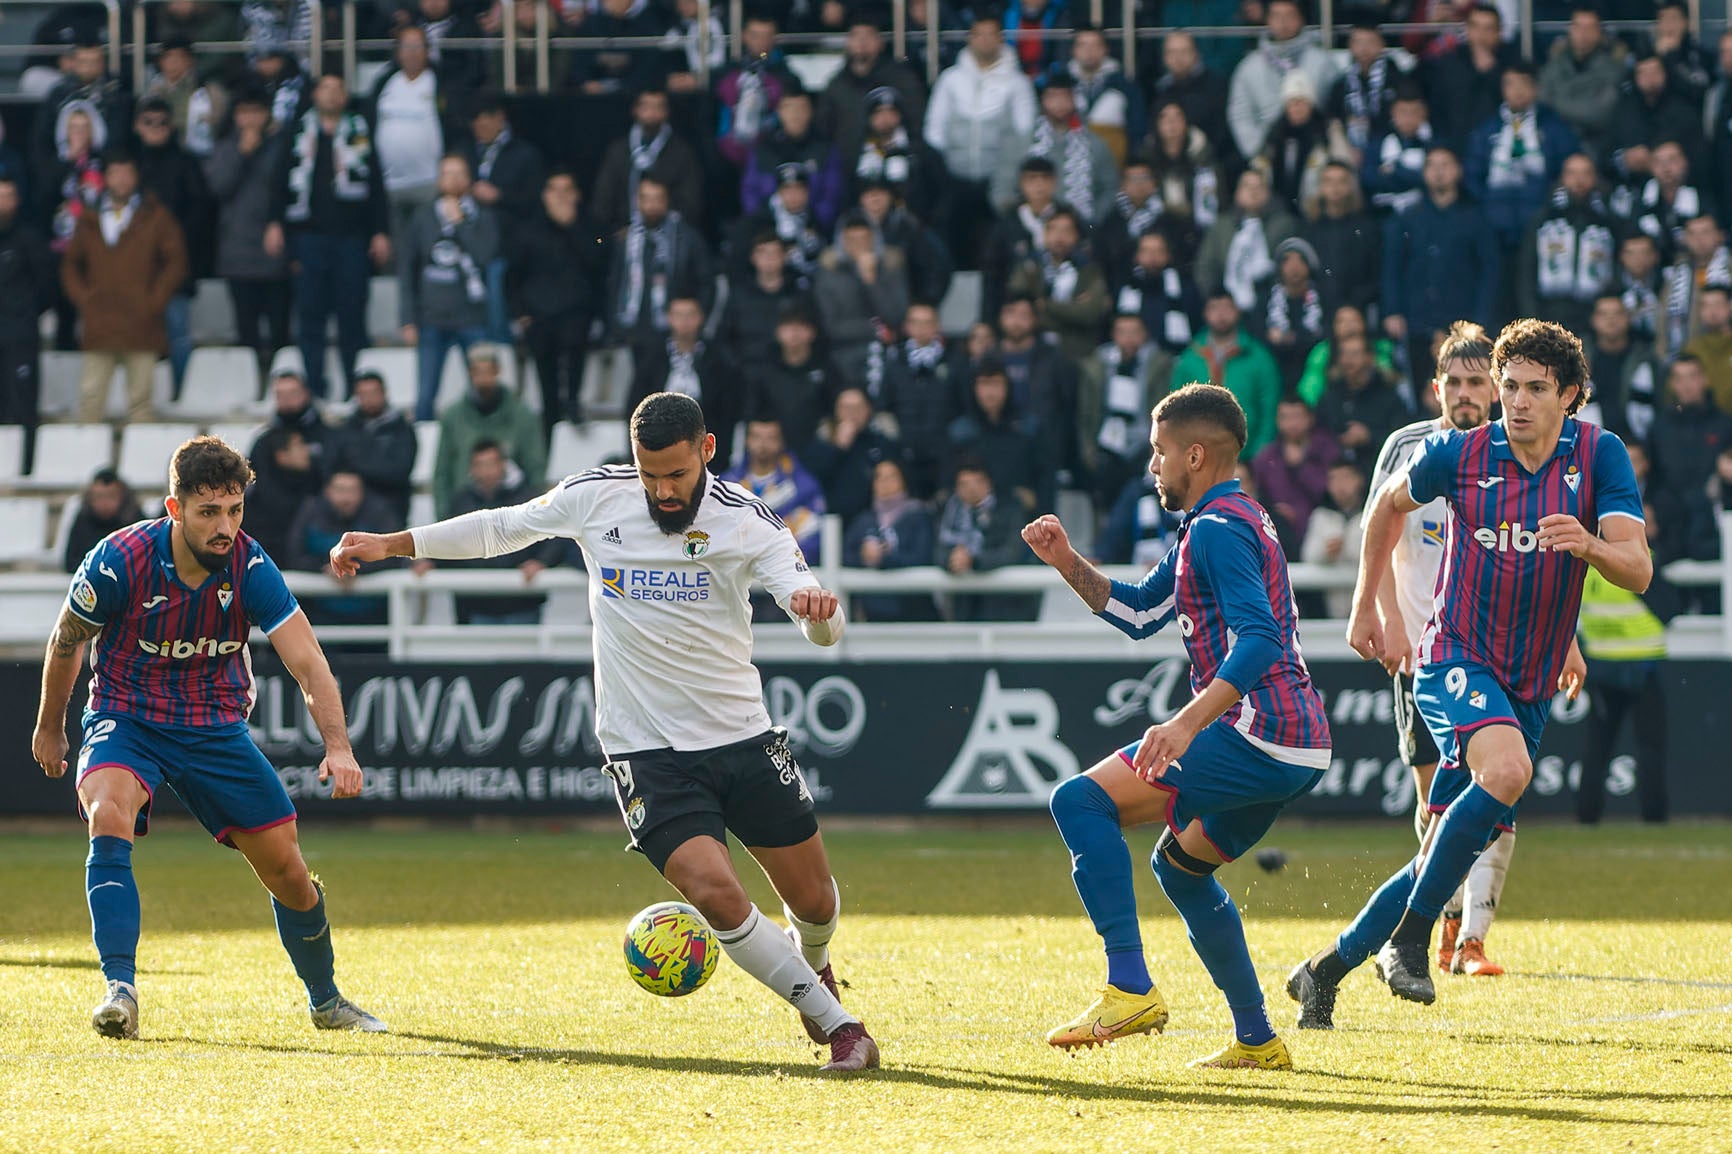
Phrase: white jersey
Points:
(672, 616)
(1419, 552)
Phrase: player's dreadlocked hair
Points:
(1465, 341)
(666, 419)
(1551, 346)
(1204, 404)
(208, 463)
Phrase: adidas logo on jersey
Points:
(1506, 537)
(181, 650)
(612, 536)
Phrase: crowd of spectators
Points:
(1294, 220)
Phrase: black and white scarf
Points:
(1034, 224)
(1075, 168)
(644, 154)
(1517, 151)
(1280, 316)
(1125, 414)
(886, 160)
(490, 156)
(448, 259)
(1060, 276)
(351, 161)
(645, 247)
(923, 358)
(1248, 262)
(1139, 220)
(1574, 261)
(799, 233)
(1681, 294)
(683, 371)
(436, 31)
(1367, 97)
(1644, 305)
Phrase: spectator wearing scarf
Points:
(795, 140)
(650, 148)
(1514, 158)
(1292, 316)
(660, 258)
(442, 276)
(1087, 174)
(1068, 288)
(331, 204)
(890, 155)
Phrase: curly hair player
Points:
(170, 604)
(1405, 598)
(679, 707)
(1534, 499)
(1253, 738)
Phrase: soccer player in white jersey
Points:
(672, 553)
(1465, 395)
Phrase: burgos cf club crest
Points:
(697, 544)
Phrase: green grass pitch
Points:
(495, 956)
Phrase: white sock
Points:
(758, 947)
(815, 936)
(1484, 887)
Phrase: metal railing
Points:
(546, 38)
(408, 633)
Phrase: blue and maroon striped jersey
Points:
(168, 654)
(1502, 601)
(1226, 583)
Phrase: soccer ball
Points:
(670, 950)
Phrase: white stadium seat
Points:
(212, 316)
(397, 366)
(426, 453)
(145, 451)
(24, 530)
(961, 305)
(383, 303)
(11, 453)
(421, 510)
(66, 455)
(578, 448)
(59, 381)
(607, 382)
(220, 381)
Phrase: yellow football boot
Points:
(1115, 1014)
(1271, 1055)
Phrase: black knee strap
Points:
(1169, 848)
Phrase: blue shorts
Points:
(1457, 701)
(1234, 788)
(219, 774)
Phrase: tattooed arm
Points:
(59, 674)
(1137, 610)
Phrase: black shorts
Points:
(753, 789)
(1411, 734)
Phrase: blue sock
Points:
(306, 935)
(1366, 933)
(113, 895)
(1467, 826)
(1101, 867)
(1218, 936)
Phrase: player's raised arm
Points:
(296, 644)
(1138, 610)
(483, 533)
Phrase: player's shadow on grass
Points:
(1182, 1090)
(80, 964)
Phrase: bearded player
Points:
(1534, 500)
(673, 553)
(1253, 738)
(167, 607)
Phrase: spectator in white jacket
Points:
(1254, 97)
(982, 107)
